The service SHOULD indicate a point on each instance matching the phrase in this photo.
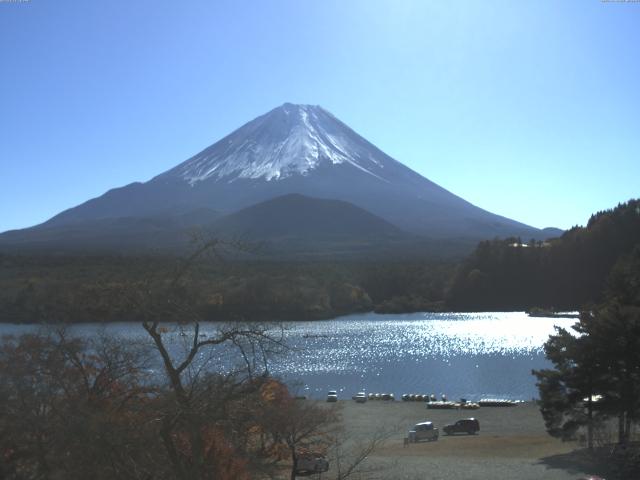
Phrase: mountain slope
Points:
(299, 217)
(122, 234)
(289, 227)
(295, 226)
(296, 149)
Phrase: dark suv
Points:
(470, 426)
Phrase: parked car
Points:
(470, 426)
(310, 463)
(360, 397)
(424, 431)
(332, 396)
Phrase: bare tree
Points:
(73, 408)
(296, 425)
(197, 408)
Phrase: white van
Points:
(424, 431)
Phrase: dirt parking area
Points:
(512, 444)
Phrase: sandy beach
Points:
(512, 444)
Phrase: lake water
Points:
(469, 355)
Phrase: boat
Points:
(443, 405)
(549, 313)
(497, 402)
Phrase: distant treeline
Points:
(103, 288)
(513, 274)
(569, 272)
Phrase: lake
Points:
(468, 355)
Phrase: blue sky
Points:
(528, 109)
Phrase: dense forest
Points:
(564, 273)
(502, 274)
(594, 381)
(103, 288)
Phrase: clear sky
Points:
(528, 109)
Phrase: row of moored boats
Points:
(443, 403)
(431, 400)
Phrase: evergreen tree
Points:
(576, 377)
(599, 360)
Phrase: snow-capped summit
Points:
(288, 140)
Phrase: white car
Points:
(332, 396)
(360, 397)
(424, 431)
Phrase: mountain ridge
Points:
(296, 149)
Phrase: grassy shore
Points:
(512, 444)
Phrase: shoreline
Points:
(301, 320)
(512, 443)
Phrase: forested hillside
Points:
(563, 273)
(513, 274)
(104, 288)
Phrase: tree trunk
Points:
(174, 458)
(294, 466)
(627, 428)
(590, 421)
(621, 427)
(195, 468)
(43, 465)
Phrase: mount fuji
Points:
(292, 151)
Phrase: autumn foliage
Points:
(77, 409)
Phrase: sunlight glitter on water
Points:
(422, 335)
(470, 354)
(463, 354)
